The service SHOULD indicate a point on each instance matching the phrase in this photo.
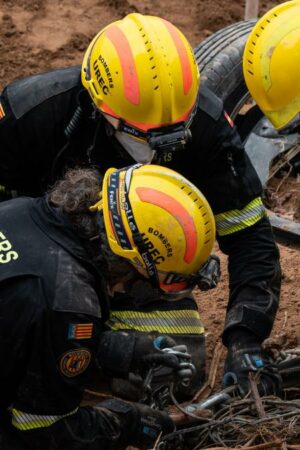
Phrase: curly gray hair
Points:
(74, 194)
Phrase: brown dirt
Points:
(284, 196)
(286, 331)
(36, 35)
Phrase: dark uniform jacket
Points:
(42, 129)
(52, 307)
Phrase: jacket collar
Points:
(58, 227)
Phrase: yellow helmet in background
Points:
(142, 70)
(271, 63)
(159, 221)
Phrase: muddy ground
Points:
(36, 35)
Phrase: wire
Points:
(201, 419)
(238, 425)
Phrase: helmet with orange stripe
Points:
(142, 75)
(159, 221)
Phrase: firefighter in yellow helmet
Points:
(58, 265)
(138, 98)
(271, 63)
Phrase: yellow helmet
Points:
(159, 221)
(271, 63)
(142, 70)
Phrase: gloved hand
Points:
(176, 366)
(245, 355)
(148, 352)
(120, 352)
(140, 425)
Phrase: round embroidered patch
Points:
(74, 362)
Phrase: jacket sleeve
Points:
(90, 428)
(254, 279)
(233, 189)
(60, 352)
(36, 112)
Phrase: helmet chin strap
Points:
(143, 293)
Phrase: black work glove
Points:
(245, 355)
(140, 425)
(120, 352)
(172, 364)
(148, 352)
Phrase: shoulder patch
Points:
(26, 93)
(80, 331)
(75, 362)
(209, 103)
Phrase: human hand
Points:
(149, 351)
(243, 360)
(121, 353)
(140, 424)
(169, 361)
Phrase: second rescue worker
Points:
(152, 108)
(60, 259)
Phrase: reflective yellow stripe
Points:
(238, 219)
(170, 322)
(24, 421)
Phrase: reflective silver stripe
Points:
(176, 322)
(238, 219)
(25, 421)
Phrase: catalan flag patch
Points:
(80, 330)
(2, 112)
